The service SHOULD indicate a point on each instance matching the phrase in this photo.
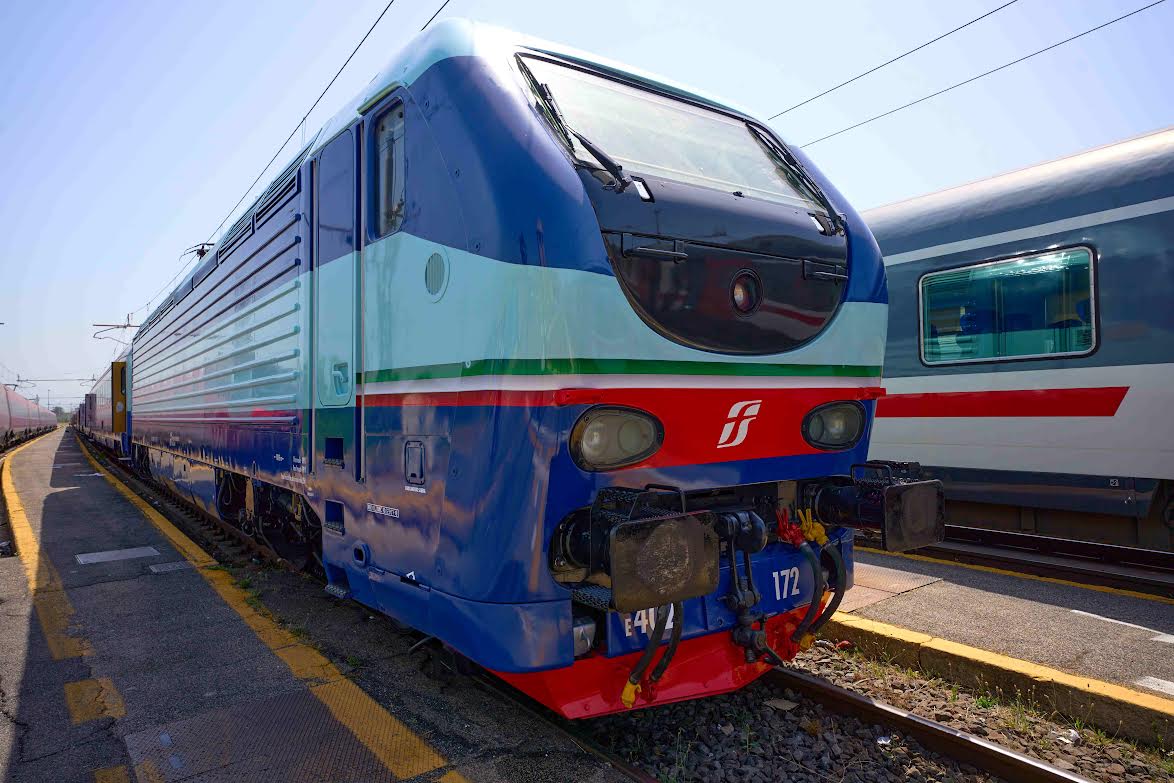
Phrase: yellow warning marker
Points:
(93, 699)
(54, 611)
(118, 774)
(396, 746)
(147, 772)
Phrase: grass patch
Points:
(985, 701)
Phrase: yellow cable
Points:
(812, 530)
(628, 697)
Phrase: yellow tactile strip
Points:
(1118, 710)
(112, 775)
(93, 699)
(397, 747)
(54, 611)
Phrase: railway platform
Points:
(1110, 650)
(126, 653)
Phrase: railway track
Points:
(959, 745)
(230, 545)
(1144, 570)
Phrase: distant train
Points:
(554, 361)
(21, 419)
(1030, 360)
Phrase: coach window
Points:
(1033, 306)
(389, 171)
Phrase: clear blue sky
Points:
(130, 128)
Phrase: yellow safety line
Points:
(1036, 577)
(119, 774)
(147, 772)
(54, 611)
(92, 699)
(399, 748)
(1037, 672)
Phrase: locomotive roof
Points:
(457, 37)
(454, 37)
(1116, 175)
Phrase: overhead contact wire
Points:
(982, 75)
(305, 116)
(890, 62)
(301, 123)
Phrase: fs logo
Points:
(741, 414)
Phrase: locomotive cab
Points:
(560, 364)
(719, 237)
(721, 241)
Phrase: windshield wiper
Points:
(833, 222)
(607, 161)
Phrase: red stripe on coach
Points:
(1100, 401)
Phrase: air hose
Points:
(841, 581)
(632, 686)
(674, 642)
(816, 597)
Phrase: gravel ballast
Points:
(765, 733)
(758, 734)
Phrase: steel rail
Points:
(1137, 557)
(563, 726)
(180, 512)
(1107, 565)
(954, 743)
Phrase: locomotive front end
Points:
(713, 469)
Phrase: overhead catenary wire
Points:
(886, 63)
(963, 83)
(433, 17)
(305, 116)
(301, 124)
(167, 286)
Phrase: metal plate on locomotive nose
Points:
(782, 576)
(662, 560)
(914, 515)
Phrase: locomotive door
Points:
(335, 293)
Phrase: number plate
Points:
(781, 575)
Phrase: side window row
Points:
(1026, 307)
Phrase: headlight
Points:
(746, 292)
(609, 437)
(835, 426)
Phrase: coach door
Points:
(335, 294)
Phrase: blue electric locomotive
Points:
(555, 361)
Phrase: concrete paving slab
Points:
(191, 681)
(890, 580)
(860, 596)
(252, 738)
(1105, 635)
(111, 555)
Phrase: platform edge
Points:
(1118, 710)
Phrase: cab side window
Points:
(388, 206)
(1028, 307)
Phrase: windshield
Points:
(649, 133)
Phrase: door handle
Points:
(339, 373)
